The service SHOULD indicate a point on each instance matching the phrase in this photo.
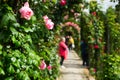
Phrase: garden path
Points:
(73, 69)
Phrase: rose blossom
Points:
(49, 67)
(73, 25)
(63, 2)
(42, 65)
(49, 24)
(45, 18)
(94, 13)
(26, 12)
(96, 46)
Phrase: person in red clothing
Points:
(63, 51)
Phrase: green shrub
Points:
(24, 44)
(110, 68)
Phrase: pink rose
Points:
(26, 12)
(73, 25)
(49, 67)
(49, 24)
(45, 18)
(42, 65)
(26, 4)
(67, 23)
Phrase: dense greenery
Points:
(110, 67)
(25, 43)
(103, 30)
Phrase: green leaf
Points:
(18, 70)
(35, 62)
(16, 64)
(13, 30)
(55, 1)
(2, 71)
(29, 61)
(6, 18)
(11, 69)
(8, 7)
(1, 64)
(9, 78)
(46, 7)
(11, 17)
(16, 42)
(33, 19)
(28, 38)
(13, 39)
(36, 74)
(26, 46)
(16, 24)
(23, 76)
(28, 29)
(1, 47)
(20, 75)
(16, 53)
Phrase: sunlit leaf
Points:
(2, 71)
(11, 69)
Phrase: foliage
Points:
(110, 69)
(113, 28)
(92, 31)
(23, 44)
(117, 10)
(107, 30)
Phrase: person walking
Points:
(63, 51)
(71, 43)
(84, 53)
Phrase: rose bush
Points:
(24, 43)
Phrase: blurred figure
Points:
(67, 40)
(84, 53)
(63, 51)
(71, 43)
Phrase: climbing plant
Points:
(27, 44)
